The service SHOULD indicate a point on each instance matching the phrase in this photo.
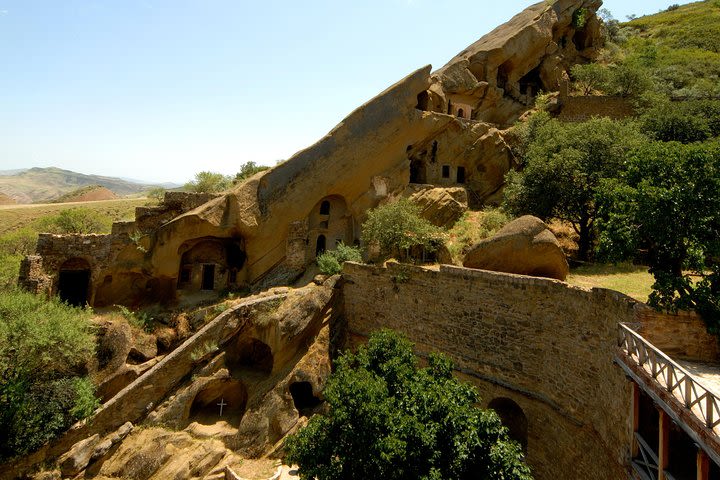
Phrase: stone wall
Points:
(682, 336)
(582, 108)
(545, 345)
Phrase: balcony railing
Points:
(671, 377)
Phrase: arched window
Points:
(320, 245)
(325, 208)
(461, 113)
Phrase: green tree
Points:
(563, 164)
(668, 203)
(157, 194)
(330, 261)
(209, 182)
(247, 170)
(389, 419)
(397, 227)
(590, 77)
(667, 122)
(629, 79)
(75, 220)
(44, 345)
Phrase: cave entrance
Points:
(74, 282)
(227, 394)
(303, 398)
(513, 417)
(531, 84)
(251, 353)
(460, 174)
(418, 172)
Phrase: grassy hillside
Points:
(680, 48)
(91, 193)
(38, 185)
(14, 217)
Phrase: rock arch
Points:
(303, 398)
(210, 263)
(252, 354)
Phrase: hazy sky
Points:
(161, 89)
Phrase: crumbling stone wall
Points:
(545, 345)
(148, 219)
(583, 108)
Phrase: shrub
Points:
(667, 122)
(75, 220)
(397, 227)
(209, 182)
(247, 170)
(330, 262)
(44, 345)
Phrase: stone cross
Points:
(222, 404)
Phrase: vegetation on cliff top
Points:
(390, 419)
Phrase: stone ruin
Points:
(430, 132)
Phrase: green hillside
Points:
(679, 47)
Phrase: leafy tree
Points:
(397, 227)
(629, 79)
(75, 220)
(209, 182)
(330, 261)
(247, 170)
(563, 165)
(157, 194)
(590, 77)
(390, 419)
(44, 345)
(668, 203)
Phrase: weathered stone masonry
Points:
(543, 344)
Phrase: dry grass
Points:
(13, 217)
(472, 227)
(632, 280)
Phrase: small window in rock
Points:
(461, 175)
(449, 111)
(325, 208)
(446, 171)
(461, 113)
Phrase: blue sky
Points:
(161, 89)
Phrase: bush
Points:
(667, 122)
(389, 419)
(247, 170)
(44, 345)
(75, 220)
(397, 227)
(330, 262)
(209, 182)
(591, 77)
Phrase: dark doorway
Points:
(446, 171)
(208, 277)
(460, 174)
(303, 398)
(251, 353)
(73, 287)
(320, 245)
(74, 282)
(417, 172)
(461, 113)
(513, 417)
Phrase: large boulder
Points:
(524, 246)
(440, 206)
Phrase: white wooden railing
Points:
(671, 377)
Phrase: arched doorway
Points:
(461, 113)
(513, 417)
(74, 282)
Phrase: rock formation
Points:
(525, 246)
(443, 129)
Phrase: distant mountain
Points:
(38, 185)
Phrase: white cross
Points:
(222, 404)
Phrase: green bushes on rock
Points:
(330, 262)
